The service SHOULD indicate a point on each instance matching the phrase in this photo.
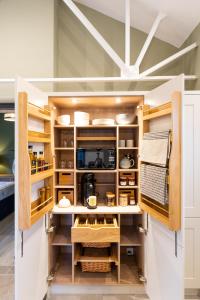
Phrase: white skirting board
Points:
(97, 290)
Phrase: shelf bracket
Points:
(141, 229)
(50, 277)
(50, 229)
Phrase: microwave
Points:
(96, 158)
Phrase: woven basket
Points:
(102, 267)
(95, 266)
(96, 245)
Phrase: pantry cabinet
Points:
(72, 238)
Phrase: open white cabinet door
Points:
(164, 259)
(31, 245)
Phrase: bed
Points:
(6, 199)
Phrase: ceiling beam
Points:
(96, 79)
(127, 32)
(98, 37)
(151, 34)
(168, 60)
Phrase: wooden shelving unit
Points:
(30, 210)
(106, 180)
(169, 215)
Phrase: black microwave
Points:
(94, 158)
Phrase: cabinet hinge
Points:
(141, 229)
(142, 278)
(50, 277)
(50, 229)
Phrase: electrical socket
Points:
(129, 251)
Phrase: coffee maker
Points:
(87, 187)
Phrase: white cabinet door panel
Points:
(191, 155)
(192, 253)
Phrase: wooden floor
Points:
(99, 297)
(7, 258)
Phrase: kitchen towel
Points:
(156, 148)
(153, 183)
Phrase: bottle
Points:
(35, 163)
(41, 161)
(30, 151)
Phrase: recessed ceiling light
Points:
(9, 117)
(74, 101)
(118, 100)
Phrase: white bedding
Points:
(6, 189)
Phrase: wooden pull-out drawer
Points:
(98, 228)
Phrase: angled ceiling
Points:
(182, 16)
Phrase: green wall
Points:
(191, 61)
(79, 55)
(6, 145)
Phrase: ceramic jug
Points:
(127, 162)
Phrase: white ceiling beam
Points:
(127, 32)
(168, 60)
(98, 37)
(151, 34)
(96, 79)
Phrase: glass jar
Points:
(123, 180)
(132, 200)
(131, 180)
(110, 199)
(123, 199)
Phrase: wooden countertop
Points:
(135, 209)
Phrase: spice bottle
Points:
(34, 165)
(47, 192)
(42, 196)
(132, 200)
(123, 180)
(41, 161)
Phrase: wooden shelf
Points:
(64, 170)
(62, 237)
(38, 112)
(38, 214)
(38, 137)
(41, 175)
(64, 186)
(128, 170)
(128, 126)
(96, 138)
(157, 112)
(96, 171)
(129, 237)
(63, 126)
(64, 148)
(128, 148)
(128, 187)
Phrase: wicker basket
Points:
(95, 266)
(96, 245)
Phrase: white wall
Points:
(27, 40)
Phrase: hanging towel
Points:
(153, 183)
(156, 148)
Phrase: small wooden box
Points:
(69, 194)
(66, 178)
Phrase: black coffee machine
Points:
(87, 187)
